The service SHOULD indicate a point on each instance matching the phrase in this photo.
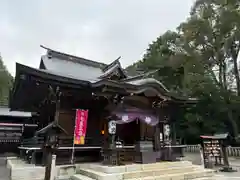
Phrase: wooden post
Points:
(225, 157)
(173, 133)
(157, 138)
(51, 140)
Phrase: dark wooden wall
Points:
(67, 121)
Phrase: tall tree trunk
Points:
(236, 74)
(235, 53)
(233, 124)
(224, 75)
(231, 119)
(220, 73)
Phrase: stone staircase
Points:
(182, 170)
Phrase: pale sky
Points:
(100, 30)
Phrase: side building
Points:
(15, 126)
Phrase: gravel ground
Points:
(234, 162)
(4, 172)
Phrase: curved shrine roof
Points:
(71, 70)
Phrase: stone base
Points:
(228, 169)
(165, 170)
(145, 157)
(20, 170)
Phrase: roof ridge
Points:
(74, 58)
(116, 61)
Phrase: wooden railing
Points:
(31, 149)
(232, 151)
(64, 141)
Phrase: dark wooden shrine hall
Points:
(143, 109)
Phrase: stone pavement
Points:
(4, 172)
(194, 157)
(234, 162)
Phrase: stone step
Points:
(166, 165)
(143, 173)
(157, 172)
(180, 176)
(205, 174)
(215, 177)
(80, 177)
(62, 178)
(134, 167)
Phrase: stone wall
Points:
(29, 173)
(23, 171)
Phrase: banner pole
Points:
(73, 145)
(73, 149)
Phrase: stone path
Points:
(4, 172)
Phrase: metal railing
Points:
(232, 151)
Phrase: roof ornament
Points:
(162, 103)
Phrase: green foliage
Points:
(6, 81)
(199, 59)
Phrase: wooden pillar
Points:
(157, 138)
(142, 131)
(172, 120)
(160, 125)
(173, 133)
(51, 140)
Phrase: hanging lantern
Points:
(112, 127)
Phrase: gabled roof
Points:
(70, 65)
(6, 112)
(58, 68)
(21, 100)
(114, 68)
(216, 136)
(75, 59)
(143, 81)
(51, 126)
(70, 69)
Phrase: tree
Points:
(6, 81)
(200, 60)
(213, 31)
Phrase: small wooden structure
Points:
(143, 108)
(14, 126)
(214, 150)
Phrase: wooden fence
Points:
(232, 151)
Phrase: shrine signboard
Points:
(80, 126)
(212, 151)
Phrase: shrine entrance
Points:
(128, 133)
(135, 125)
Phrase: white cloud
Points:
(99, 30)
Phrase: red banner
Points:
(80, 126)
